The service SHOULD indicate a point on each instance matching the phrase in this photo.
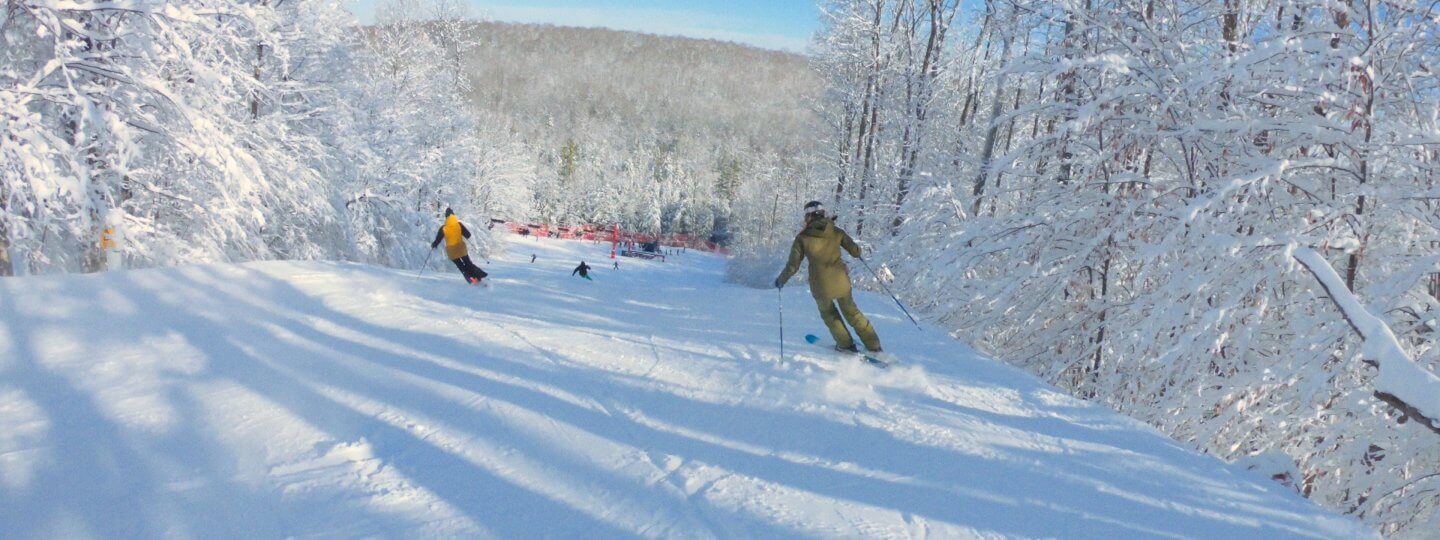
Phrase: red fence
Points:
(607, 234)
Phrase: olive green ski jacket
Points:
(820, 243)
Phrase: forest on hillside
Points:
(658, 134)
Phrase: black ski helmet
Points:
(814, 209)
(449, 212)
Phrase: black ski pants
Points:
(468, 269)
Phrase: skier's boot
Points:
(879, 358)
(851, 349)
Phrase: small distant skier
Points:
(583, 270)
(454, 234)
(819, 243)
(617, 265)
(532, 258)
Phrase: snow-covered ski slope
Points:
(338, 400)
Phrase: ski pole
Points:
(781, 296)
(427, 263)
(887, 291)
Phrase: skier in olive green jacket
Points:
(820, 243)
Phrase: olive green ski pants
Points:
(857, 320)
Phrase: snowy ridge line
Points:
(1402, 382)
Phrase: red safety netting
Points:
(633, 241)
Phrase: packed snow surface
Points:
(338, 400)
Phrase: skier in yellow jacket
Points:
(820, 243)
(454, 234)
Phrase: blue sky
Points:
(771, 24)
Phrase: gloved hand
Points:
(778, 283)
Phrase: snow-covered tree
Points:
(130, 117)
(204, 130)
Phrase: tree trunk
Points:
(863, 132)
(1067, 97)
(255, 95)
(870, 117)
(1434, 280)
(1230, 25)
(1009, 130)
(259, 66)
(866, 174)
(1366, 88)
(1104, 293)
(843, 167)
(987, 152)
(929, 71)
(7, 268)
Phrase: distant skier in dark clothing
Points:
(583, 270)
(453, 233)
(617, 265)
(532, 258)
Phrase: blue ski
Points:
(869, 359)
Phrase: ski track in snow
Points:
(284, 399)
